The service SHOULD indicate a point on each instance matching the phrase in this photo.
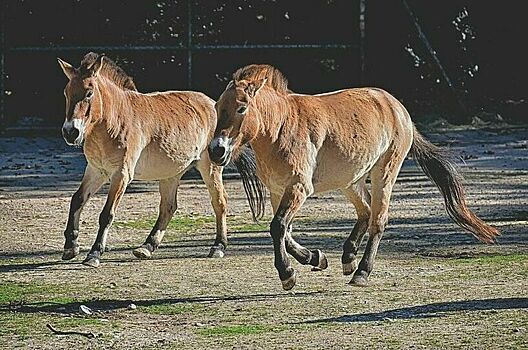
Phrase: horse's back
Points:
(183, 124)
(353, 129)
(354, 118)
(177, 105)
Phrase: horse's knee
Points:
(278, 227)
(168, 210)
(105, 218)
(219, 206)
(376, 226)
(77, 201)
(363, 217)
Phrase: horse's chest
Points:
(106, 160)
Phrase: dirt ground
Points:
(433, 287)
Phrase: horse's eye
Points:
(89, 94)
(242, 109)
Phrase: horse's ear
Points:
(230, 85)
(95, 68)
(67, 68)
(256, 85)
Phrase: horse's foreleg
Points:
(91, 182)
(118, 184)
(316, 258)
(212, 176)
(360, 198)
(168, 189)
(293, 198)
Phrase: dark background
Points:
(479, 43)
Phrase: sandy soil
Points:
(432, 287)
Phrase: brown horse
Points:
(128, 135)
(310, 144)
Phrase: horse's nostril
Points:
(74, 133)
(70, 134)
(218, 152)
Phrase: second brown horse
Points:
(129, 135)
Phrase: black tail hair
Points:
(435, 163)
(254, 188)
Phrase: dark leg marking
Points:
(351, 246)
(366, 264)
(94, 256)
(282, 262)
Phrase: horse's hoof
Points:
(323, 261)
(217, 251)
(142, 253)
(359, 281)
(91, 261)
(349, 268)
(289, 283)
(70, 253)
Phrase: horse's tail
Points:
(435, 163)
(254, 188)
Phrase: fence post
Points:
(3, 9)
(362, 63)
(189, 44)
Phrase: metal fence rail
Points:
(190, 48)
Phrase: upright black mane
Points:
(275, 79)
(110, 70)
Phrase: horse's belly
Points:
(154, 164)
(330, 177)
(335, 170)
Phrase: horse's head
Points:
(238, 119)
(83, 99)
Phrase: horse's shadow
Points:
(430, 310)
(413, 312)
(105, 305)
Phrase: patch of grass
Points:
(168, 309)
(251, 227)
(16, 292)
(63, 300)
(14, 323)
(180, 223)
(20, 292)
(23, 325)
(188, 223)
(235, 330)
(494, 259)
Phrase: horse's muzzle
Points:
(220, 151)
(72, 132)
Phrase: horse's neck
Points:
(116, 109)
(275, 112)
(116, 101)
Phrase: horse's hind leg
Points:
(212, 177)
(383, 176)
(168, 189)
(360, 197)
(91, 182)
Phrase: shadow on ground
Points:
(116, 304)
(431, 310)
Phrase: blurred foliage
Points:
(477, 52)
